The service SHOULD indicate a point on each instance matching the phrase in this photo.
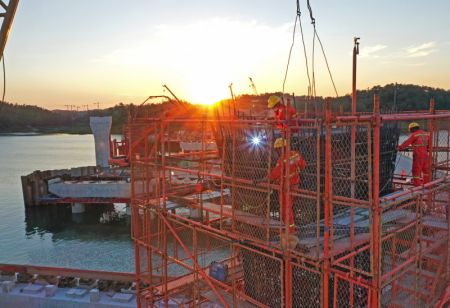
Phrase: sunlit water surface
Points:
(51, 235)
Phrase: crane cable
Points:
(313, 22)
(4, 78)
(297, 17)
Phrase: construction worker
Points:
(274, 102)
(295, 163)
(419, 141)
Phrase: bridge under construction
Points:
(366, 236)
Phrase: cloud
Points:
(371, 51)
(205, 56)
(417, 64)
(212, 39)
(422, 50)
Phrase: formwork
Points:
(366, 237)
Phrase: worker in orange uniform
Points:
(274, 102)
(295, 163)
(419, 141)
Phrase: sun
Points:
(207, 89)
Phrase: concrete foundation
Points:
(34, 185)
(89, 189)
(101, 128)
(78, 208)
(60, 298)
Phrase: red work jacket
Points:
(419, 141)
(296, 163)
(280, 114)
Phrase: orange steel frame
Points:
(404, 253)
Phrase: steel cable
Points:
(297, 18)
(313, 22)
(4, 78)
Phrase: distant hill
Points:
(21, 118)
(25, 118)
(393, 97)
(401, 97)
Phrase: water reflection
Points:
(97, 221)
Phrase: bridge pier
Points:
(78, 208)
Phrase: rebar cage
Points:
(209, 228)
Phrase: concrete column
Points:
(101, 128)
(78, 208)
(195, 213)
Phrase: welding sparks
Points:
(256, 141)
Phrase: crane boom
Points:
(8, 12)
(252, 85)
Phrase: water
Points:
(51, 235)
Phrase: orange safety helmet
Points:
(279, 143)
(413, 125)
(273, 101)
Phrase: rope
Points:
(326, 61)
(313, 22)
(290, 52)
(297, 17)
(303, 41)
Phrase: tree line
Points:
(26, 118)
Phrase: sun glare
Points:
(206, 94)
(208, 86)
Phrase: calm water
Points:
(51, 235)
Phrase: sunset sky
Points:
(85, 51)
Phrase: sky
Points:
(79, 52)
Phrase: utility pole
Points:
(98, 105)
(87, 107)
(355, 53)
(353, 146)
(67, 107)
(233, 99)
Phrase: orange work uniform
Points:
(295, 164)
(280, 115)
(419, 141)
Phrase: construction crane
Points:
(252, 85)
(7, 12)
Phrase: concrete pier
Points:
(78, 208)
(35, 185)
(101, 128)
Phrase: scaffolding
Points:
(209, 231)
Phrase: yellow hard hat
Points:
(280, 142)
(272, 101)
(413, 125)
